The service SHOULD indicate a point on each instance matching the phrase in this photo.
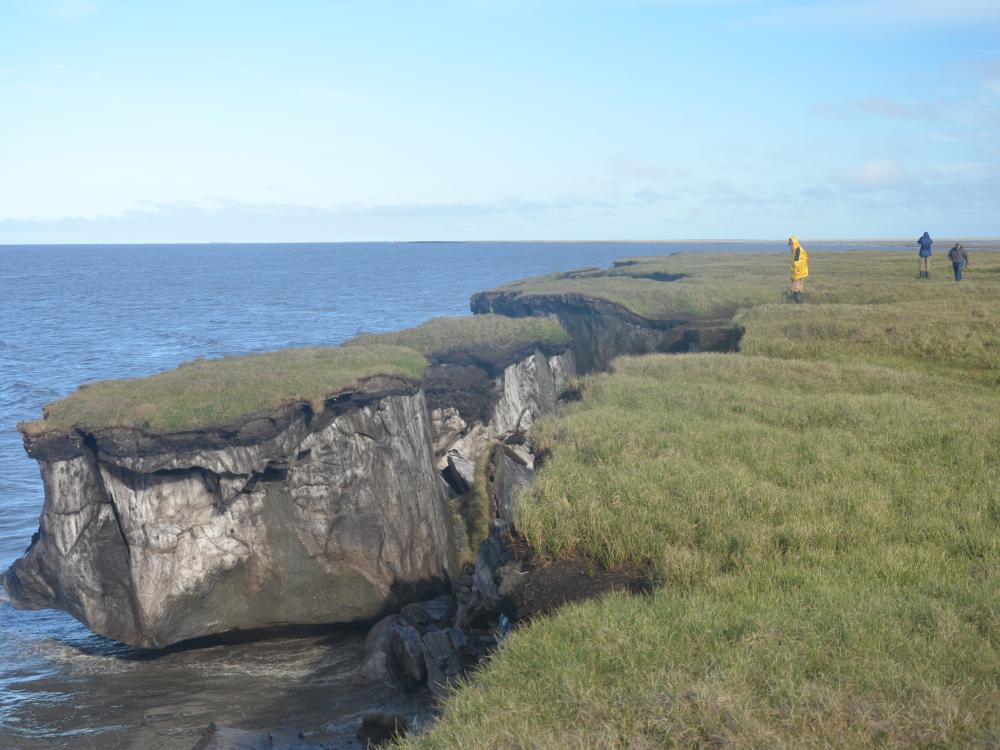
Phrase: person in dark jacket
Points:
(959, 260)
(925, 243)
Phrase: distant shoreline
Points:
(806, 241)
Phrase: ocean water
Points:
(76, 314)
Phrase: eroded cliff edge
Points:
(604, 314)
(323, 510)
(301, 518)
(313, 512)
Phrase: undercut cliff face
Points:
(474, 402)
(289, 518)
(601, 330)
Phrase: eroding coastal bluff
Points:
(817, 534)
(328, 485)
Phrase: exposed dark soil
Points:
(248, 430)
(549, 586)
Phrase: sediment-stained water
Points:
(70, 315)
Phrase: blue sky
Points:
(497, 119)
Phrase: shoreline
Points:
(668, 285)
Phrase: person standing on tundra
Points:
(925, 243)
(800, 267)
(959, 260)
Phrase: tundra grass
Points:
(827, 542)
(713, 285)
(216, 392)
(489, 336)
(820, 513)
(958, 337)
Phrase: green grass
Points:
(206, 393)
(490, 337)
(787, 668)
(720, 284)
(694, 463)
(958, 337)
(471, 512)
(820, 515)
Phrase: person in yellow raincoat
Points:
(800, 267)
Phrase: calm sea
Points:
(75, 314)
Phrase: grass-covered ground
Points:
(216, 392)
(820, 513)
(491, 337)
(952, 334)
(719, 284)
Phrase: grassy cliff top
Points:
(826, 542)
(719, 284)
(489, 337)
(820, 516)
(217, 392)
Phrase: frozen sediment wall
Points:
(600, 330)
(289, 518)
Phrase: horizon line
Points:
(485, 241)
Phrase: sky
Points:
(270, 120)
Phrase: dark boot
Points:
(798, 298)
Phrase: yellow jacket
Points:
(800, 260)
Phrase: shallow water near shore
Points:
(76, 314)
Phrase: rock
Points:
(472, 443)
(473, 404)
(336, 517)
(441, 656)
(396, 647)
(527, 391)
(447, 426)
(508, 474)
(439, 612)
(379, 665)
(378, 729)
(492, 555)
(460, 473)
(408, 653)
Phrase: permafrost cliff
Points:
(303, 516)
(292, 517)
